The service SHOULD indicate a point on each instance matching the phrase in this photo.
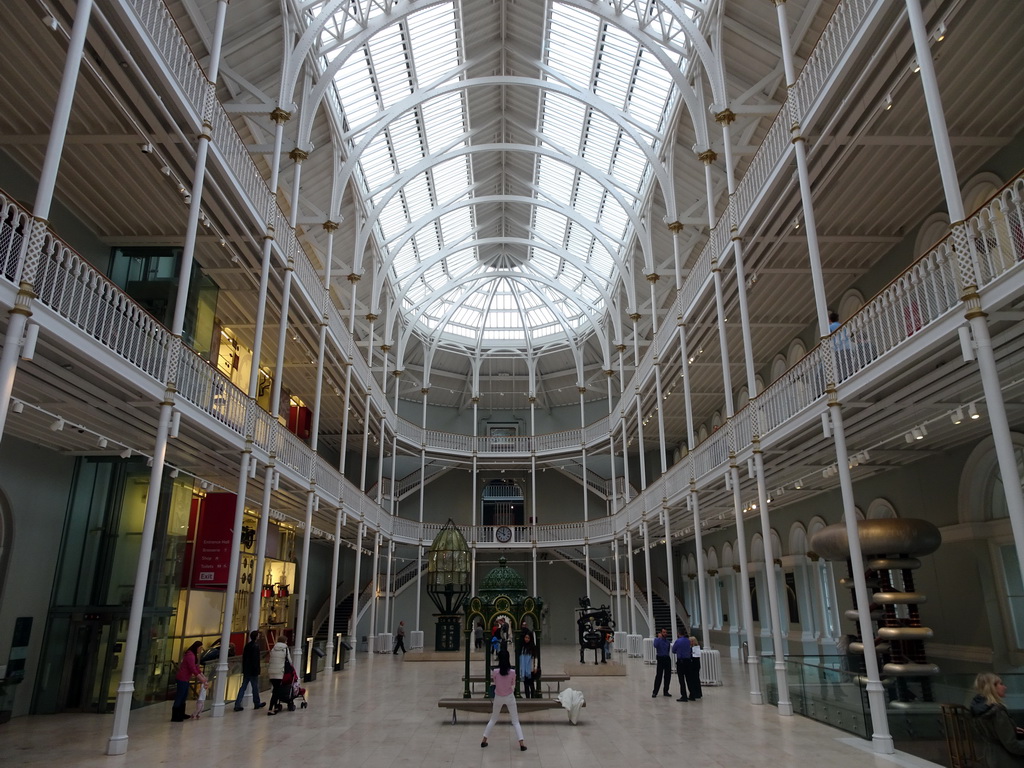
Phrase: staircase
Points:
(342, 614)
(663, 615)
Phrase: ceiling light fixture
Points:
(957, 416)
(126, 453)
(58, 425)
(972, 411)
(888, 101)
(18, 407)
(940, 32)
(102, 442)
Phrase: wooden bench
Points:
(485, 705)
(557, 678)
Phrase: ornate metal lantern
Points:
(448, 572)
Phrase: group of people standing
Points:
(686, 652)
(279, 668)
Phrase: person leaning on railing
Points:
(993, 726)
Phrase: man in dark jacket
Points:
(251, 672)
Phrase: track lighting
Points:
(58, 425)
(888, 102)
(940, 32)
(918, 433)
(957, 416)
(149, 462)
(798, 484)
(175, 424)
(915, 67)
(126, 453)
(972, 411)
(166, 170)
(203, 485)
(174, 472)
(102, 442)
(18, 407)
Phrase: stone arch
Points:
(798, 540)
(850, 304)
(796, 352)
(779, 366)
(757, 554)
(931, 231)
(979, 479)
(978, 189)
(881, 509)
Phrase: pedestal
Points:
(447, 632)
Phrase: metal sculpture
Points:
(593, 625)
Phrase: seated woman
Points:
(993, 726)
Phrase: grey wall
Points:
(34, 487)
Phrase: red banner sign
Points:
(212, 551)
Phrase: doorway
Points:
(87, 683)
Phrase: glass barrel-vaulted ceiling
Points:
(543, 273)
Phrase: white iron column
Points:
(785, 704)
(632, 582)
(32, 242)
(586, 500)
(376, 589)
(881, 738)
(1005, 451)
(353, 623)
(300, 620)
(280, 117)
(221, 684)
(702, 590)
(333, 604)
(255, 607)
(118, 742)
(743, 592)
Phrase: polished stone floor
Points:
(382, 713)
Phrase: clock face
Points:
(503, 534)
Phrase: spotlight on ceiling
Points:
(58, 425)
(972, 411)
(126, 453)
(957, 416)
(18, 406)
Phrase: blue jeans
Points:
(181, 695)
(247, 680)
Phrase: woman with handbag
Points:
(504, 679)
(279, 659)
(529, 666)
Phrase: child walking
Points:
(201, 700)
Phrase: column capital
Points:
(331, 226)
(280, 116)
(371, 317)
(298, 155)
(653, 277)
(634, 316)
(708, 156)
(353, 277)
(725, 117)
(675, 227)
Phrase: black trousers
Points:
(693, 679)
(664, 673)
(400, 643)
(685, 677)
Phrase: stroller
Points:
(290, 689)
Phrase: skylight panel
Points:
(417, 196)
(457, 224)
(443, 119)
(393, 218)
(377, 162)
(461, 262)
(405, 260)
(388, 53)
(555, 178)
(434, 40)
(356, 90)
(406, 141)
(451, 179)
(589, 195)
(550, 224)
(615, 66)
(545, 262)
(572, 35)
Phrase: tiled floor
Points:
(382, 713)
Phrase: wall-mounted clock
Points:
(503, 534)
